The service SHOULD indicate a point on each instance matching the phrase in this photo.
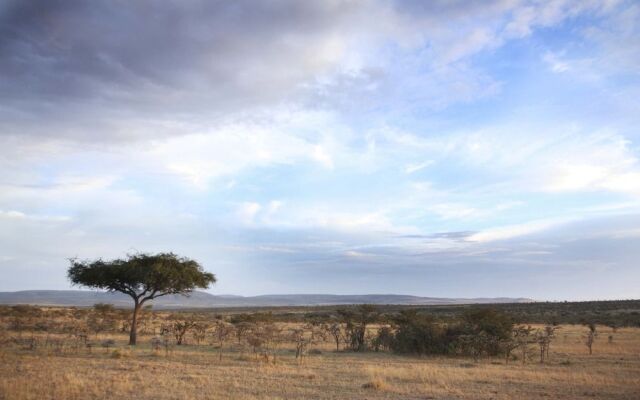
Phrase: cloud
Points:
(411, 168)
(284, 138)
(616, 41)
(553, 159)
(555, 63)
(247, 211)
(514, 231)
(13, 214)
(97, 72)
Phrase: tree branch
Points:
(151, 296)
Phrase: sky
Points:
(440, 148)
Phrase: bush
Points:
(383, 339)
(479, 332)
(486, 328)
(375, 384)
(418, 334)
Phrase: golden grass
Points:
(194, 372)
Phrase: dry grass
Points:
(194, 372)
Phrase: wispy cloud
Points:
(411, 168)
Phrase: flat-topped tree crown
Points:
(142, 276)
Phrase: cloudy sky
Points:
(442, 148)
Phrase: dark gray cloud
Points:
(70, 48)
(84, 64)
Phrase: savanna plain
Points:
(310, 353)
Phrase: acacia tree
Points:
(143, 277)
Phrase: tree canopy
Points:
(142, 276)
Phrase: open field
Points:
(192, 371)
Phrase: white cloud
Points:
(517, 230)
(411, 168)
(454, 211)
(321, 155)
(556, 64)
(600, 161)
(561, 158)
(274, 206)
(281, 137)
(359, 255)
(12, 214)
(18, 215)
(247, 211)
(530, 15)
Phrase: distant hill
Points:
(202, 299)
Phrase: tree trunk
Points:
(547, 350)
(133, 334)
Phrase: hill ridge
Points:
(200, 299)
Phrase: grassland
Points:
(196, 372)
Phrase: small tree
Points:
(335, 330)
(550, 331)
(522, 337)
(271, 337)
(356, 322)
(543, 338)
(305, 336)
(143, 277)
(591, 336)
(508, 346)
(180, 329)
(199, 331)
(101, 318)
(221, 332)
(242, 330)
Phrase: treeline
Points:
(613, 313)
(618, 313)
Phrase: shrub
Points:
(419, 334)
(489, 325)
(375, 384)
(479, 332)
(383, 339)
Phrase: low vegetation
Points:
(351, 352)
